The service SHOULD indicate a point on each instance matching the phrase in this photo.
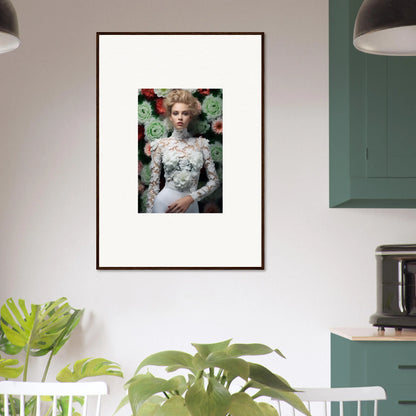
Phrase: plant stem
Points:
(12, 402)
(29, 343)
(65, 331)
(166, 395)
(219, 374)
(245, 387)
(45, 372)
(26, 364)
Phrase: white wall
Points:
(320, 266)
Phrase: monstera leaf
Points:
(6, 346)
(89, 367)
(8, 368)
(36, 329)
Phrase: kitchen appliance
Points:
(396, 286)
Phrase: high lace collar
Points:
(180, 134)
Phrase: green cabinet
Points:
(372, 120)
(390, 364)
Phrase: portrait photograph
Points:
(180, 131)
(180, 135)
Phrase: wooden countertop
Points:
(372, 334)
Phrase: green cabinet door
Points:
(390, 364)
(372, 120)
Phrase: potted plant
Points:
(42, 330)
(206, 385)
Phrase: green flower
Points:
(144, 112)
(143, 200)
(145, 174)
(154, 129)
(216, 152)
(162, 92)
(212, 107)
(202, 126)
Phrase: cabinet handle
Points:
(412, 402)
(407, 367)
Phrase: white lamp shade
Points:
(9, 31)
(395, 41)
(8, 42)
(386, 27)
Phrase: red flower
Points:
(141, 132)
(203, 91)
(211, 208)
(160, 108)
(217, 126)
(147, 150)
(149, 93)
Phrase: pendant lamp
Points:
(9, 31)
(386, 27)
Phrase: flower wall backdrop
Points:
(152, 125)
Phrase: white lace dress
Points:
(183, 158)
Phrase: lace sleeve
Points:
(213, 181)
(155, 167)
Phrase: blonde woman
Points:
(182, 157)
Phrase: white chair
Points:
(50, 394)
(317, 400)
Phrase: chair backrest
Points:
(53, 396)
(317, 400)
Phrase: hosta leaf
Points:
(238, 350)
(143, 386)
(267, 409)
(89, 367)
(214, 401)
(177, 359)
(288, 397)
(236, 366)
(8, 368)
(175, 406)
(243, 405)
(266, 377)
(206, 349)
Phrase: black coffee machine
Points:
(396, 287)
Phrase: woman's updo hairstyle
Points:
(184, 97)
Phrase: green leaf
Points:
(215, 401)
(206, 349)
(70, 325)
(243, 405)
(175, 406)
(266, 377)
(123, 402)
(237, 366)
(286, 396)
(177, 359)
(199, 363)
(267, 409)
(237, 350)
(38, 329)
(148, 409)
(8, 368)
(6, 346)
(89, 367)
(143, 386)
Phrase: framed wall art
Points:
(180, 150)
